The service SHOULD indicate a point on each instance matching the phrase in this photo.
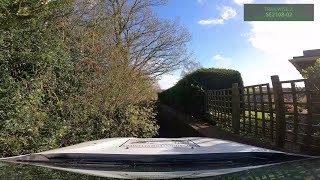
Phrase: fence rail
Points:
(285, 113)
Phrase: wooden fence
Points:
(282, 114)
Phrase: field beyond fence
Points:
(285, 114)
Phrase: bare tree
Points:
(154, 46)
(121, 46)
(190, 66)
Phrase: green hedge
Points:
(188, 94)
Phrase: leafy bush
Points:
(313, 71)
(188, 94)
(51, 95)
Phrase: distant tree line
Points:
(79, 70)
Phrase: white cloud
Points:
(211, 21)
(222, 61)
(241, 2)
(226, 13)
(281, 41)
(168, 80)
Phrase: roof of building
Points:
(308, 58)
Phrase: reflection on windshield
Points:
(21, 171)
(295, 170)
(309, 169)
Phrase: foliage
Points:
(313, 71)
(73, 71)
(34, 83)
(188, 93)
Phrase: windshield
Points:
(232, 85)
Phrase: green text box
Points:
(279, 12)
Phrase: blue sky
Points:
(221, 39)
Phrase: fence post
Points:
(307, 140)
(279, 111)
(235, 108)
(206, 106)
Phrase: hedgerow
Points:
(188, 94)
